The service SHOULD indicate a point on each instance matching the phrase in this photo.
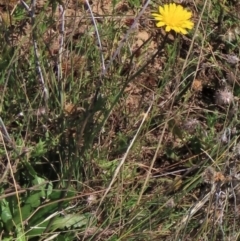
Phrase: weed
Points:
(112, 129)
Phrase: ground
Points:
(114, 129)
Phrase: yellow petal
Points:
(166, 9)
(176, 29)
(167, 28)
(173, 7)
(188, 25)
(160, 24)
(183, 31)
(159, 18)
(188, 15)
(161, 10)
(155, 15)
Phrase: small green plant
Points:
(113, 129)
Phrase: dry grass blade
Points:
(193, 210)
(106, 116)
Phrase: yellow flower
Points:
(174, 17)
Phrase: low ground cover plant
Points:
(119, 120)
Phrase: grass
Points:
(115, 132)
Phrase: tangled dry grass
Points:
(112, 129)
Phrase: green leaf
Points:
(52, 207)
(43, 213)
(34, 199)
(40, 149)
(20, 234)
(7, 239)
(65, 237)
(57, 194)
(71, 220)
(49, 189)
(25, 213)
(38, 181)
(37, 230)
(30, 169)
(5, 211)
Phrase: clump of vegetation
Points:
(114, 129)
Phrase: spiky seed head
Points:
(224, 97)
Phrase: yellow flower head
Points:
(174, 17)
